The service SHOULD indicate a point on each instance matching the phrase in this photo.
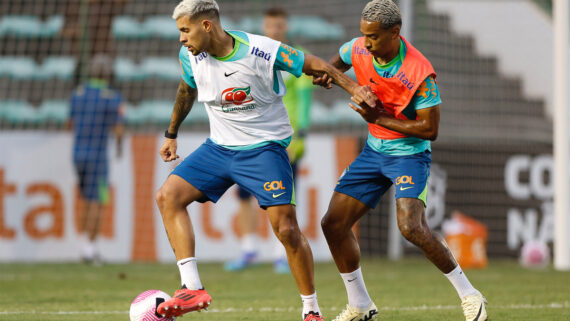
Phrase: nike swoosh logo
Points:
(276, 196)
(351, 280)
(478, 314)
(227, 75)
(405, 188)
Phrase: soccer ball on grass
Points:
(535, 254)
(144, 306)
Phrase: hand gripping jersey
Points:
(396, 92)
(242, 106)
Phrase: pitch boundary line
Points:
(552, 305)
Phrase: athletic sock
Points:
(356, 289)
(310, 304)
(189, 273)
(88, 247)
(249, 243)
(460, 282)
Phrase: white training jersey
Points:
(242, 106)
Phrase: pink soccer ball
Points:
(144, 306)
(535, 254)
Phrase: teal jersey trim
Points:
(290, 59)
(241, 49)
(345, 52)
(186, 69)
(400, 146)
(426, 96)
(283, 142)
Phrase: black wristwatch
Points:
(170, 135)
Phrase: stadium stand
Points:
(28, 26)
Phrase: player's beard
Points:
(193, 51)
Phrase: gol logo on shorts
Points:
(273, 186)
(404, 180)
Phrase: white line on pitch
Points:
(553, 305)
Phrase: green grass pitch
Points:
(411, 289)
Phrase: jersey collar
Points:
(238, 41)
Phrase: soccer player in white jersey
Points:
(237, 77)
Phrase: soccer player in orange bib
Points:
(397, 153)
(237, 77)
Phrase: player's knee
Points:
(411, 221)
(165, 198)
(410, 230)
(332, 226)
(289, 235)
(160, 198)
(327, 225)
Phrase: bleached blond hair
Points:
(191, 8)
(384, 11)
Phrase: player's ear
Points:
(207, 25)
(396, 31)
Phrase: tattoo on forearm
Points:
(182, 106)
(339, 78)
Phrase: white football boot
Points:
(354, 314)
(474, 307)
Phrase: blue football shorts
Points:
(263, 172)
(372, 173)
(92, 176)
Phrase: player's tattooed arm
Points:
(325, 80)
(182, 105)
(185, 97)
(317, 67)
(337, 62)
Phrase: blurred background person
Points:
(297, 100)
(95, 111)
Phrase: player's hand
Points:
(368, 113)
(168, 150)
(296, 149)
(324, 81)
(364, 94)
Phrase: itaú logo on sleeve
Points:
(233, 99)
(273, 186)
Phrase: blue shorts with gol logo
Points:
(372, 173)
(264, 172)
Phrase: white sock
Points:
(310, 304)
(356, 289)
(88, 247)
(189, 273)
(249, 243)
(460, 282)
